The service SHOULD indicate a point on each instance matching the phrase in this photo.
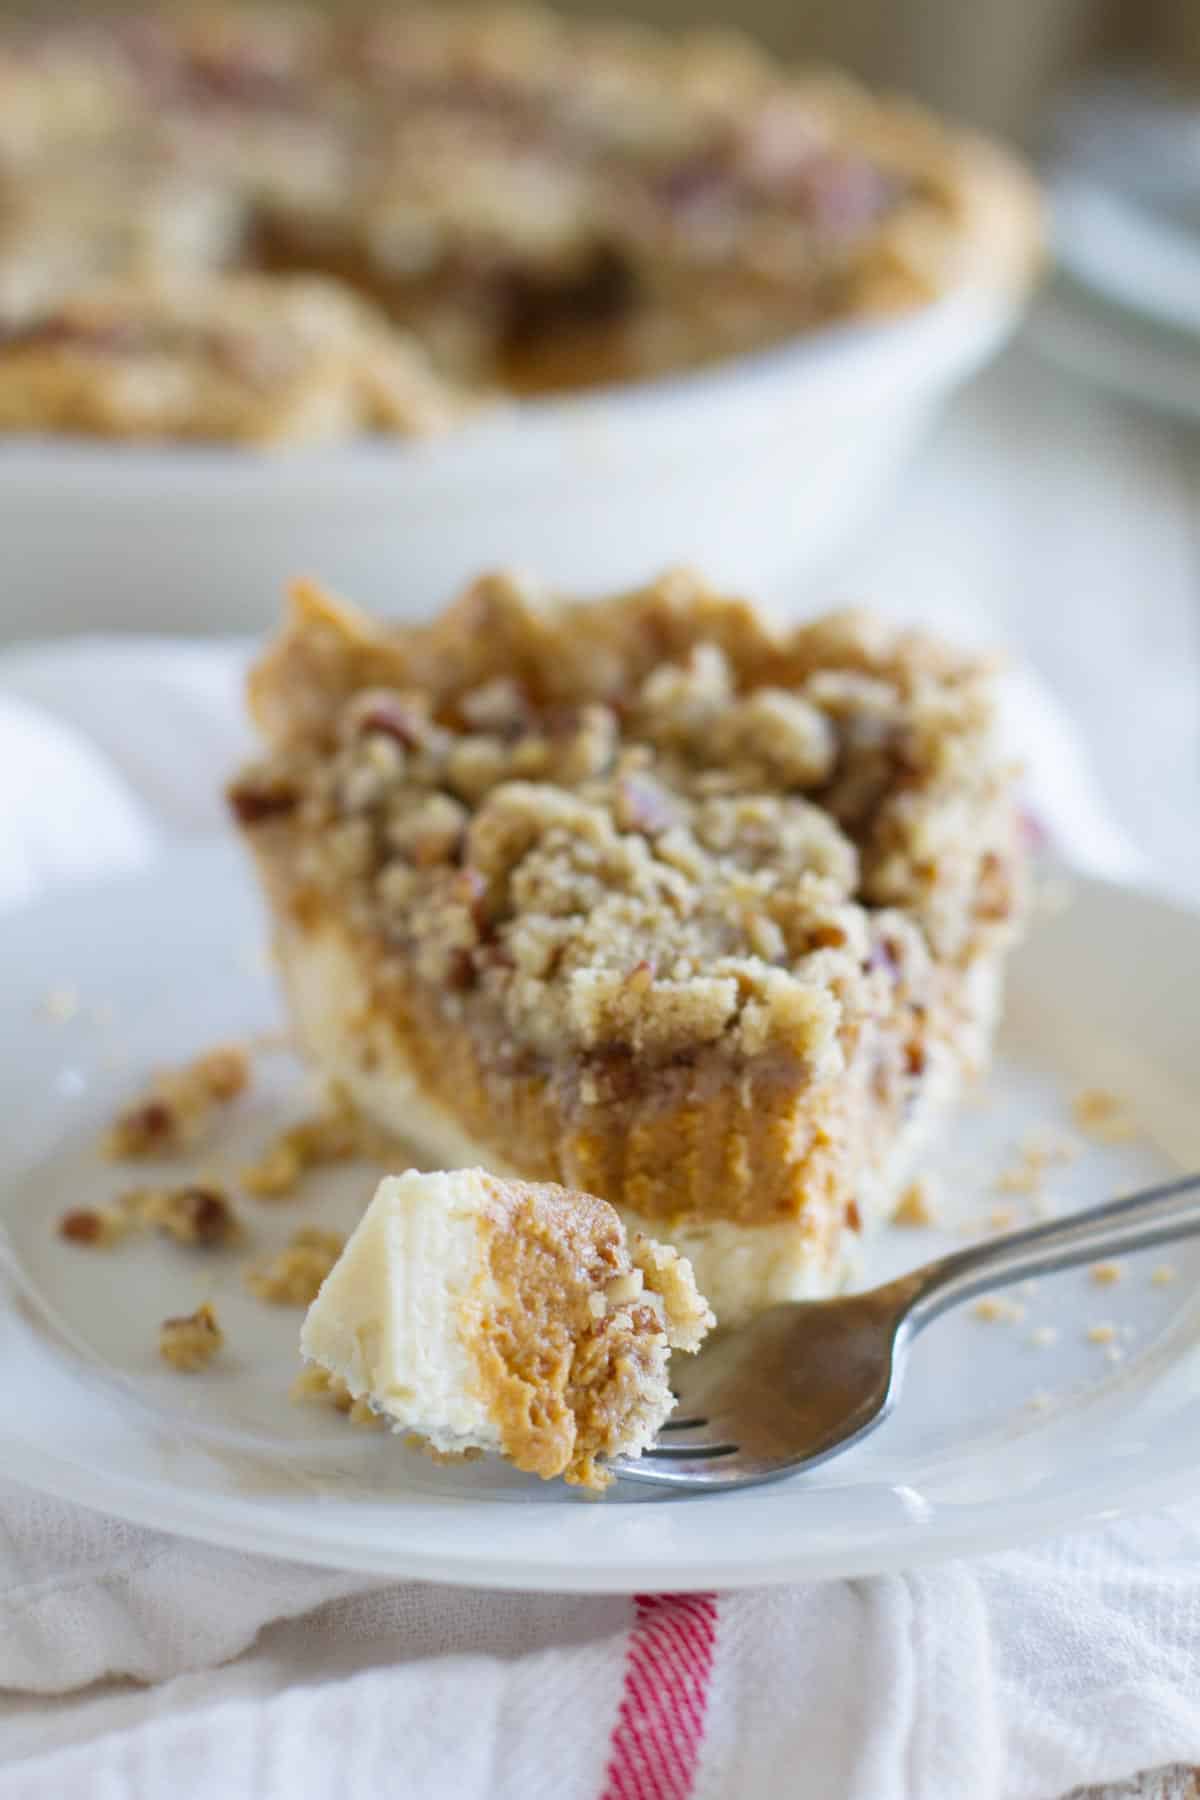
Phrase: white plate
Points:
(754, 471)
(170, 961)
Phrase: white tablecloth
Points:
(1014, 1678)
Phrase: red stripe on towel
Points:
(660, 1721)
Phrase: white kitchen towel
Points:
(1011, 1678)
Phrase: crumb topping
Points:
(1104, 1115)
(60, 1004)
(997, 1309)
(294, 1276)
(643, 825)
(918, 1203)
(332, 1135)
(96, 1227)
(1107, 1274)
(192, 1214)
(687, 1315)
(190, 1343)
(315, 1383)
(1037, 1152)
(178, 1106)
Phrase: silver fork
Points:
(805, 1380)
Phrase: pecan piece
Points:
(178, 1105)
(191, 1215)
(188, 1343)
(640, 804)
(82, 1226)
(254, 799)
(390, 716)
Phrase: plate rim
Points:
(522, 1575)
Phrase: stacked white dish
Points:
(1124, 308)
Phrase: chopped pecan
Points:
(253, 800)
(391, 716)
(178, 1105)
(330, 1136)
(82, 1226)
(294, 1277)
(191, 1215)
(188, 1343)
(640, 804)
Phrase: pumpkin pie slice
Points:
(644, 898)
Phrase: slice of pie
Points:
(640, 897)
(486, 1315)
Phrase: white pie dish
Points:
(755, 470)
(88, 1412)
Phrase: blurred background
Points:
(993, 62)
(1054, 506)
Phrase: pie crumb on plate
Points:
(189, 1343)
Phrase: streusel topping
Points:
(542, 202)
(644, 824)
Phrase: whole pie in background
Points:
(523, 203)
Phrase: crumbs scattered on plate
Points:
(1104, 1115)
(1107, 1274)
(60, 1004)
(190, 1343)
(997, 1309)
(919, 1203)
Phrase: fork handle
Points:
(1158, 1215)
